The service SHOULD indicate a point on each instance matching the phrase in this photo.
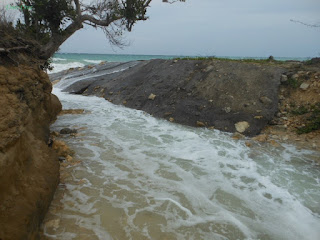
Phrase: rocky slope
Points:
(29, 169)
(226, 95)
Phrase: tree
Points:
(51, 22)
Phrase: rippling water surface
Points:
(146, 178)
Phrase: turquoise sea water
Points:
(63, 61)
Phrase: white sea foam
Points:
(59, 59)
(149, 178)
(92, 61)
(58, 67)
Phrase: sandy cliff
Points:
(29, 169)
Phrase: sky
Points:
(244, 28)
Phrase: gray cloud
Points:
(216, 27)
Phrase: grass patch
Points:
(246, 60)
(294, 83)
(300, 110)
(313, 122)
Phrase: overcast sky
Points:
(216, 27)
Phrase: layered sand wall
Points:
(29, 169)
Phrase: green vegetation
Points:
(313, 122)
(300, 110)
(246, 60)
(196, 58)
(293, 82)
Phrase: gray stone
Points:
(68, 131)
(304, 86)
(227, 109)
(284, 78)
(295, 76)
(265, 100)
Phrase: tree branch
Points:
(78, 9)
(306, 24)
(7, 50)
(103, 23)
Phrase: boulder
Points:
(68, 131)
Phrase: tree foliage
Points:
(51, 22)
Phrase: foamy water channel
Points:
(146, 178)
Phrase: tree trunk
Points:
(57, 39)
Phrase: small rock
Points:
(284, 78)
(285, 138)
(304, 86)
(237, 136)
(295, 76)
(61, 159)
(248, 144)
(152, 96)
(258, 117)
(55, 134)
(171, 119)
(55, 223)
(211, 101)
(242, 126)
(175, 61)
(69, 158)
(274, 143)
(209, 68)
(62, 149)
(124, 102)
(227, 109)
(200, 124)
(110, 93)
(71, 111)
(261, 138)
(166, 114)
(68, 131)
(265, 100)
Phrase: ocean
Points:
(64, 61)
